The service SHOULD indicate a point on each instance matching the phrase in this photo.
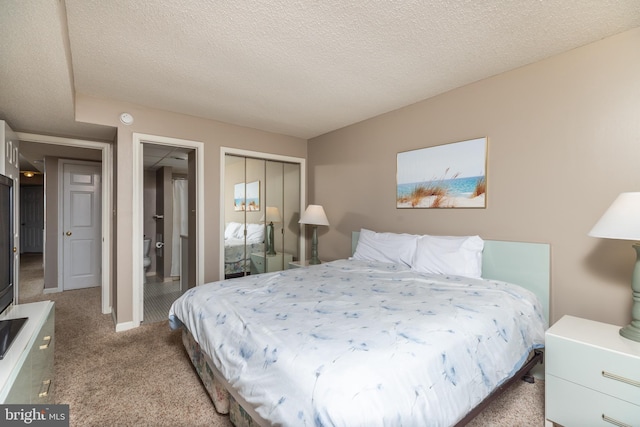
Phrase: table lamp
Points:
(272, 215)
(622, 221)
(314, 215)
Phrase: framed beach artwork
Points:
(444, 176)
(246, 197)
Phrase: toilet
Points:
(146, 260)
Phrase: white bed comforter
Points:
(354, 343)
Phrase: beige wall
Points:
(564, 141)
(155, 122)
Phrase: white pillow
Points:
(239, 234)
(386, 247)
(255, 233)
(231, 230)
(455, 255)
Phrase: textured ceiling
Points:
(300, 68)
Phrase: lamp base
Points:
(314, 247)
(630, 332)
(270, 246)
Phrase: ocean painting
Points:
(444, 176)
(248, 202)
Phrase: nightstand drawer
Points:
(614, 373)
(263, 263)
(570, 404)
(258, 261)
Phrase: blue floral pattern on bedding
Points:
(356, 343)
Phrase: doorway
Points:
(45, 145)
(191, 245)
(31, 278)
(165, 227)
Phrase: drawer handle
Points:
(45, 345)
(44, 389)
(47, 341)
(614, 421)
(621, 379)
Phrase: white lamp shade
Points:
(621, 220)
(272, 214)
(314, 215)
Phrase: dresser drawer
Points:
(570, 404)
(28, 369)
(42, 363)
(610, 372)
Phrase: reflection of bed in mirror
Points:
(238, 250)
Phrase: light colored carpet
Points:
(31, 277)
(143, 377)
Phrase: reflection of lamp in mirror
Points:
(622, 221)
(314, 215)
(272, 215)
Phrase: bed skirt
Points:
(223, 401)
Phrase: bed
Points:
(238, 250)
(364, 341)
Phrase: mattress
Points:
(354, 343)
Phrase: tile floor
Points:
(158, 297)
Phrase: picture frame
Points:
(246, 196)
(451, 175)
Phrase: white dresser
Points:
(592, 375)
(26, 372)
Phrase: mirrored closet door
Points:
(262, 199)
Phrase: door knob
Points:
(68, 233)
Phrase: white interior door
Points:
(81, 254)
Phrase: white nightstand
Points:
(301, 263)
(592, 375)
(262, 263)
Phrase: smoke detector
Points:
(126, 118)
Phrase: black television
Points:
(6, 242)
(9, 328)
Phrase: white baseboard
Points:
(125, 326)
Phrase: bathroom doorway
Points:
(168, 223)
(165, 226)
